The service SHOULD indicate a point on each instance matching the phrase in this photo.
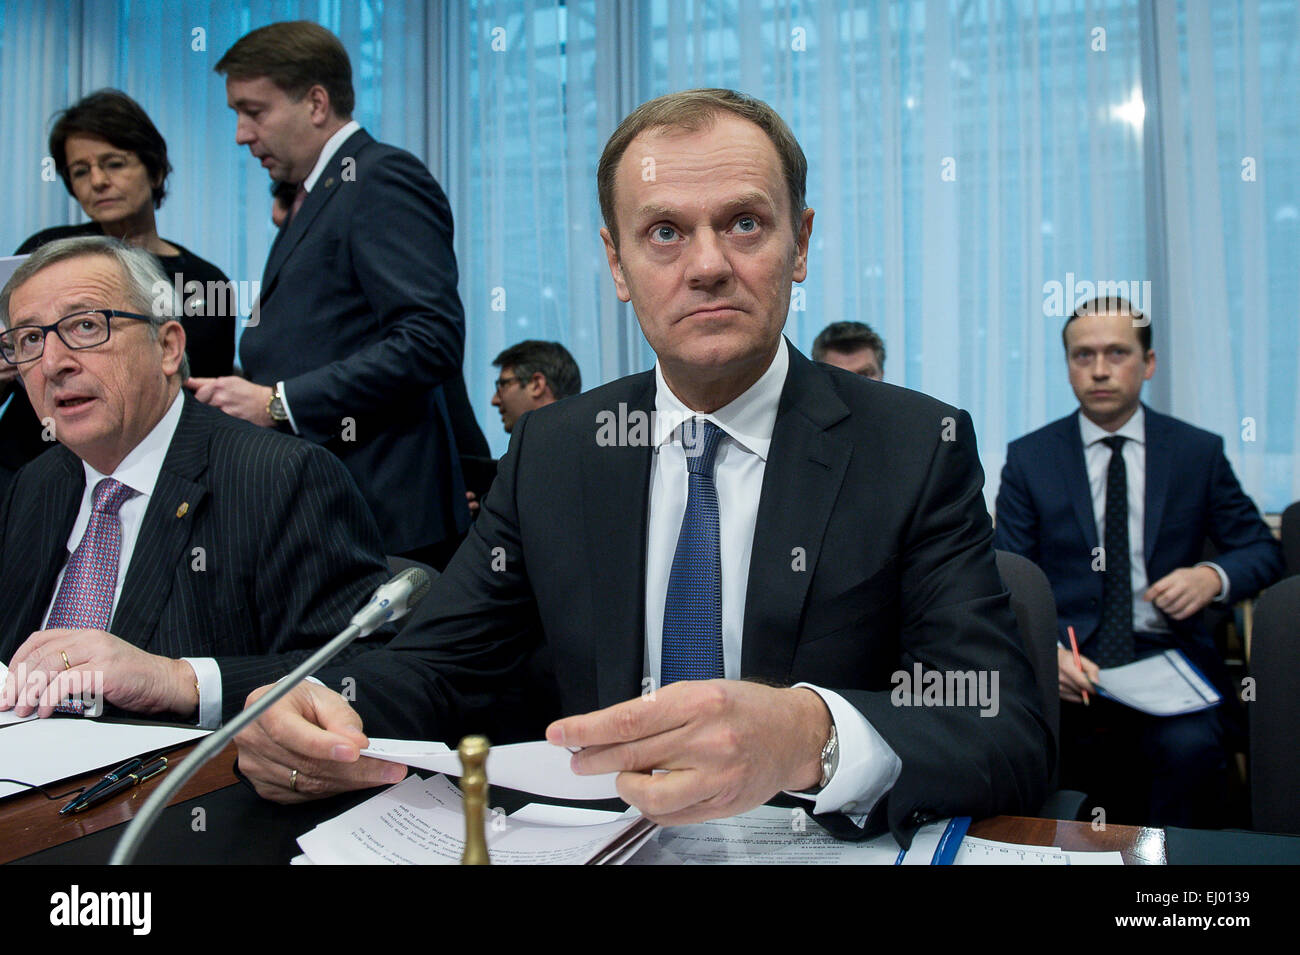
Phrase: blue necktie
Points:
(692, 641)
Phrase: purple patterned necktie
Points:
(85, 597)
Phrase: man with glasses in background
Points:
(166, 558)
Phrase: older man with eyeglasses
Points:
(166, 558)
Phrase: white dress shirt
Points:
(332, 145)
(139, 471)
(1146, 618)
(868, 766)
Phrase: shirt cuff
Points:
(208, 675)
(868, 766)
(284, 400)
(1222, 598)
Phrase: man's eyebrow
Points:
(654, 210)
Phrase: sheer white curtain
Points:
(1228, 131)
(161, 53)
(962, 157)
(973, 166)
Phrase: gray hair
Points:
(148, 290)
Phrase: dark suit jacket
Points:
(289, 550)
(872, 551)
(360, 318)
(1044, 512)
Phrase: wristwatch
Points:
(830, 758)
(275, 407)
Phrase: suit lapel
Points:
(58, 513)
(1158, 456)
(326, 185)
(801, 483)
(616, 492)
(1076, 478)
(168, 522)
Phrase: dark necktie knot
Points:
(1115, 442)
(700, 440)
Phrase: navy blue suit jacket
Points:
(1044, 512)
(360, 318)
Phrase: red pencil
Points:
(1074, 645)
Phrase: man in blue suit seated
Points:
(1115, 503)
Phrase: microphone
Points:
(392, 600)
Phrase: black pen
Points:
(130, 766)
(130, 780)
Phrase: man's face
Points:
(1107, 366)
(864, 361)
(515, 395)
(277, 130)
(111, 184)
(102, 400)
(707, 252)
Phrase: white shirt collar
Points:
(1134, 429)
(748, 419)
(328, 150)
(140, 468)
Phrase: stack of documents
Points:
(421, 822)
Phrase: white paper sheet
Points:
(768, 835)
(1162, 685)
(1095, 858)
(42, 751)
(7, 716)
(538, 768)
(419, 822)
(976, 851)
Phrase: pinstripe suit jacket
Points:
(274, 552)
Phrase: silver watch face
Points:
(277, 409)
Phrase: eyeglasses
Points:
(503, 381)
(24, 343)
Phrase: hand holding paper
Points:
(314, 731)
(726, 746)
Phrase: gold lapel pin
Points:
(329, 182)
(183, 509)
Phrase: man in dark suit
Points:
(163, 554)
(359, 321)
(696, 556)
(1115, 503)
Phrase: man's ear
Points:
(536, 385)
(171, 339)
(1151, 365)
(801, 246)
(615, 266)
(321, 108)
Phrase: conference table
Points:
(215, 818)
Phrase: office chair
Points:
(1035, 609)
(1275, 711)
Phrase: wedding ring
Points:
(293, 781)
(66, 665)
